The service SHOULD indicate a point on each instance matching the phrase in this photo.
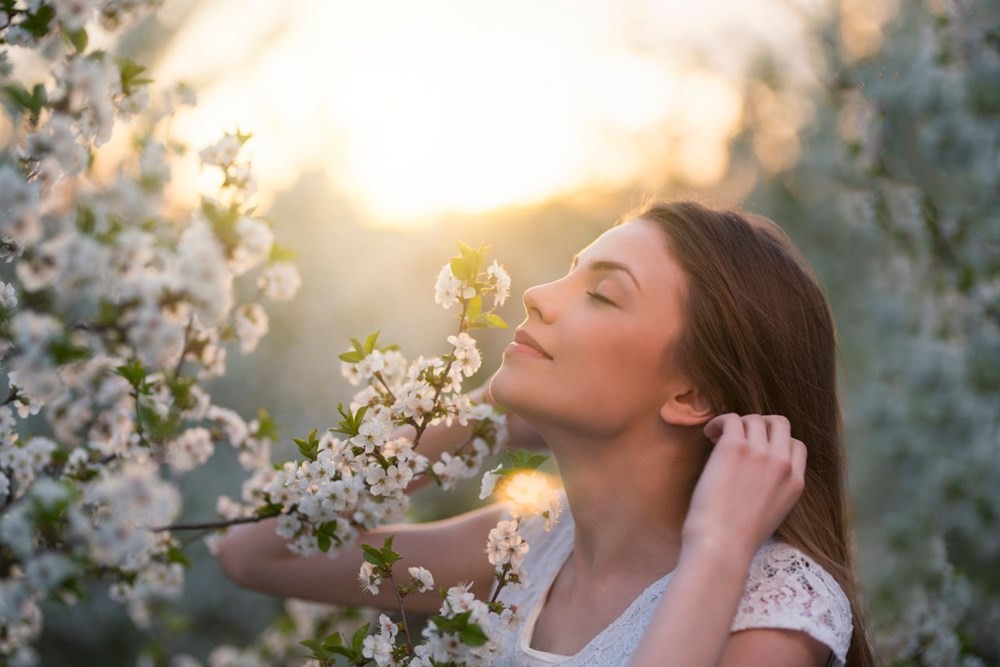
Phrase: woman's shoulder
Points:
(787, 589)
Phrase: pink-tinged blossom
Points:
(423, 578)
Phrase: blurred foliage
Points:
(895, 202)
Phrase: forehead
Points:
(642, 246)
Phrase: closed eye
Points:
(602, 299)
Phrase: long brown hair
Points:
(759, 338)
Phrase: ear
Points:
(686, 407)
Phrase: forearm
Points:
(691, 624)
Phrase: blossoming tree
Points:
(899, 187)
(112, 316)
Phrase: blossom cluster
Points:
(354, 477)
(112, 313)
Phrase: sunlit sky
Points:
(415, 109)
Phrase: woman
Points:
(680, 372)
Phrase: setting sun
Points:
(416, 111)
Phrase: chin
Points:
(500, 387)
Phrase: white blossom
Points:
(502, 286)
(190, 450)
(280, 281)
(449, 289)
(369, 578)
(466, 353)
(423, 577)
(490, 479)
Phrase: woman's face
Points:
(589, 356)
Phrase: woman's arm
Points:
(752, 479)
(254, 556)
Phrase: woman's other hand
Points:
(753, 477)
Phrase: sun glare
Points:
(413, 110)
(529, 492)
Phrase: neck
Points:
(629, 496)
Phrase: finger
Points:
(725, 424)
(779, 429)
(799, 455)
(756, 430)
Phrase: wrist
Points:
(722, 547)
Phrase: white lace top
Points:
(785, 589)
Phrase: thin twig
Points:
(402, 611)
(503, 582)
(184, 349)
(208, 525)
(380, 378)
(424, 423)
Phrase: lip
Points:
(522, 339)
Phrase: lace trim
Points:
(788, 590)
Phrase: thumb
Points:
(718, 425)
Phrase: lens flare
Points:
(529, 493)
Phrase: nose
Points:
(538, 302)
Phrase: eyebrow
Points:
(606, 265)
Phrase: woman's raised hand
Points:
(753, 477)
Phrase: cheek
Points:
(617, 371)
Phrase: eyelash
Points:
(601, 299)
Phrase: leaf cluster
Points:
(333, 645)
(360, 350)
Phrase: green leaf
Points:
(223, 223)
(134, 372)
(352, 656)
(350, 424)
(494, 321)
(352, 357)
(317, 649)
(281, 253)
(474, 308)
(130, 72)
(308, 447)
(18, 94)
(523, 459)
(359, 637)
(76, 38)
(474, 257)
(472, 635)
(64, 352)
(176, 555)
(373, 555)
(38, 23)
(86, 221)
(311, 644)
(32, 102)
(358, 347)
(460, 268)
(333, 640)
(388, 555)
(370, 343)
(269, 510)
(266, 428)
